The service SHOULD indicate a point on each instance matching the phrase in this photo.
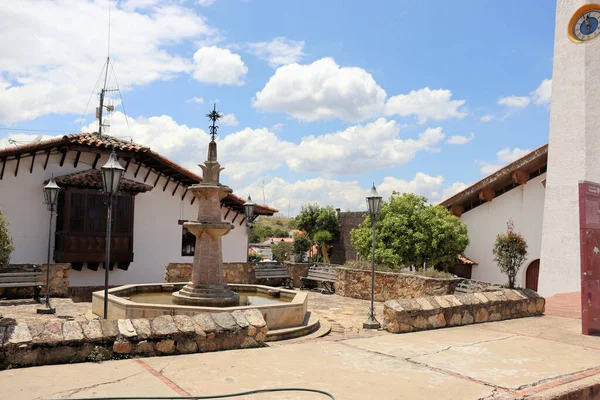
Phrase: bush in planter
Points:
(282, 250)
(510, 252)
(6, 243)
(255, 257)
(302, 244)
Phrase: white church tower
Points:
(574, 146)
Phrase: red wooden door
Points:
(532, 275)
(589, 217)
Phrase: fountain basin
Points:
(288, 310)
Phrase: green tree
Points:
(314, 220)
(6, 243)
(260, 232)
(301, 244)
(412, 233)
(281, 250)
(510, 252)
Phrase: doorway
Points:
(532, 275)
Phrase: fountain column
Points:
(208, 286)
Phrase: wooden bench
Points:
(268, 271)
(321, 275)
(32, 277)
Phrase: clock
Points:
(585, 24)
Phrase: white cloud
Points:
(279, 51)
(229, 120)
(503, 157)
(346, 195)
(542, 94)
(514, 101)
(277, 127)
(426, 104)
(360, 148)
(198, 100)
(205, 3)
(461, 139)
(216, 65)
(322, 90)
(486, 118)
(60, 59)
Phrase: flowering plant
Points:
(510, 252)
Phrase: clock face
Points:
(586, 26)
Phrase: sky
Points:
(320, 99)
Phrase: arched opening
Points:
(532, 275)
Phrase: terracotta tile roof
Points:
(92, 179)
(465, 260)
(142, 154)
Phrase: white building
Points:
(514, 192)
(148, 217)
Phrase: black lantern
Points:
(51, 193)
(373, 201)
(112, 172)
(249, 207)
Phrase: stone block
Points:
(208, 342)
(540, 305)
(205, 322)
(261, 335)
(35, 329)
(92, 330)
(109, 329)
(186, 344)
(122, 346)
(225, 321)
(455, 319)
(481, 315)
(442, 301)
(481, 297)
(425, 305)
(249, 342)
(144, 348)
(142, 327)
(436, 320)
(184, 324)
(491, 296)
(467, 317)
(453, 300)
(240, 319)
(165, 346)
(52, 332)
(255, 318)
(18, 334)
(163, 326)
(72, 331)
(126, 328)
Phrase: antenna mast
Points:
(100, 110)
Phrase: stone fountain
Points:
(208, 286)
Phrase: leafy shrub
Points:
(255, 257)
(510, 252)
(282, 250)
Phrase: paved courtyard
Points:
(538, 357)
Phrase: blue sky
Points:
(323, 98)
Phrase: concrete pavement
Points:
(533, 357)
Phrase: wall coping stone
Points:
(408, 315)
(59, 342)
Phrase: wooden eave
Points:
(500, 181)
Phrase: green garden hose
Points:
(218, 396)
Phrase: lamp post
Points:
(112, 173)
(51, 191)
(373, 202)
(249, 207)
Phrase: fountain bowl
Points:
(287, 309)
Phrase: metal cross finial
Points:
(214, 117)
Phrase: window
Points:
(188, 242)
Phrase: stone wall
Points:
(59, 281)
(408, 315)
(342, 250)
(61, 342)
(356, 283)
(234, 272)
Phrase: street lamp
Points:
(249, 207)
(374, 203)
(112, 173)
(51, 194)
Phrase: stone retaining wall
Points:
(408, 315)
(356, 283)
(58, 342)
(59, 281)
(234, 272)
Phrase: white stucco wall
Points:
(157, 234)
(573, 151)
(524, 205)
